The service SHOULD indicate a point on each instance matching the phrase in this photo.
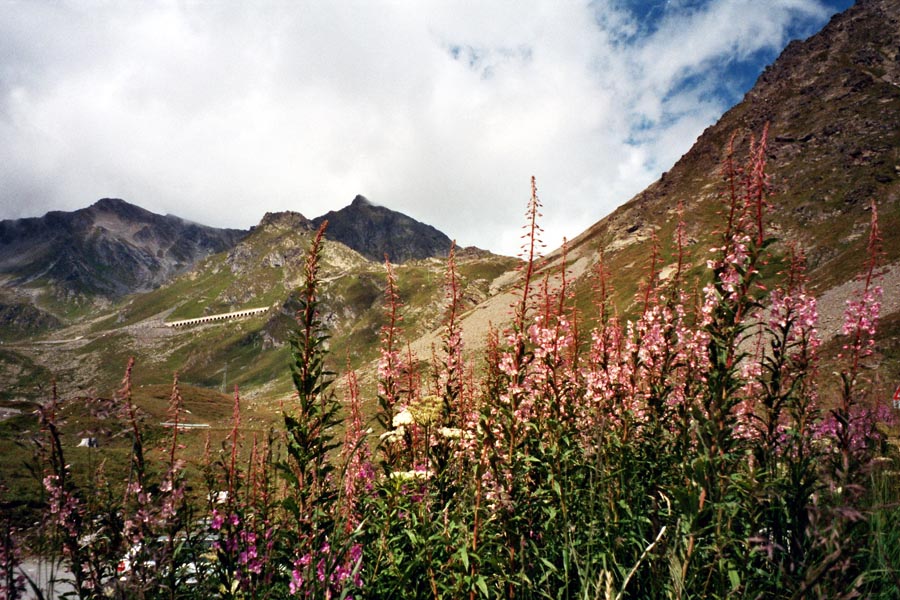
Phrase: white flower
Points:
(450, 432)
(411, 474)
(393, 435)
(404, 417)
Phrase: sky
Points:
(222, 110)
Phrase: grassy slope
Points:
(108, 463)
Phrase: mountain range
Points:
(83, 289)
(113, 248)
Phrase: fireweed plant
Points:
(682, 453)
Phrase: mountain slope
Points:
(109, 249)
(832, 104)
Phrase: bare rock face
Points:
(375, 231)
(109, 249)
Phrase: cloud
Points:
(218, 112)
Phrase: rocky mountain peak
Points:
(120, 209)
(285, 220)
(116, 205)
(375, 231)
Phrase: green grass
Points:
(188, 294)
(109, 462)
(486, 269)
(68, 309)
(22, 377)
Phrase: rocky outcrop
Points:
(284, 221)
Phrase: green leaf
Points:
(735, 579)
(482, 585)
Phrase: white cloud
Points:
(219, 112)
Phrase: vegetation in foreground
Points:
(683, 454)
